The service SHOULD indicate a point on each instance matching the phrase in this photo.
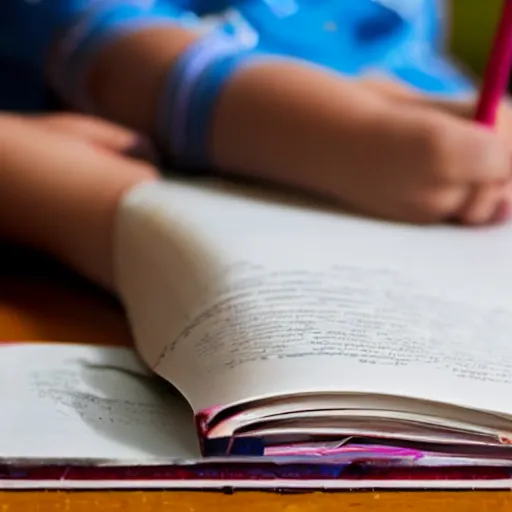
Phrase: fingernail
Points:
(142, 148)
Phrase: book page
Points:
(77, 402)
(234, 298)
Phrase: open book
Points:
(290, 332)
(90, 417)
(291, 329)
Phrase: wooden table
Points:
(40, 301)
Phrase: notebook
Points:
(270, 331)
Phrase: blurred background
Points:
(473, 25)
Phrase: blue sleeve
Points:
(194, 82)
(29, 31)
(101, 23)
(187, 104)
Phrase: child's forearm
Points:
(271, 119)
(276, 120)
(125, 79)
(380, 150)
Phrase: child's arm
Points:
(304, 127)
(60, 181)
(298, 125)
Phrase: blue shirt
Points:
(398, 38)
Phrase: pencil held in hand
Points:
(498, 70)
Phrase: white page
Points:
(61, 401)
(234, 299)
(389, 407)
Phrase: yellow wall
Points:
(474, 22)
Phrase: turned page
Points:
(235, 297)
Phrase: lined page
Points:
(277, 298)
(61, 401)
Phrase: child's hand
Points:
(379, 149)
(465, 110)
(60, 181)
(457, 169)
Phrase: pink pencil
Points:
(498, 70)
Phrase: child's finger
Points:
(503, 211)
(437, 205)
(464, 109)
(482, 205)
(98, 131)
(458, 152)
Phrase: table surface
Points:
(39, 301)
